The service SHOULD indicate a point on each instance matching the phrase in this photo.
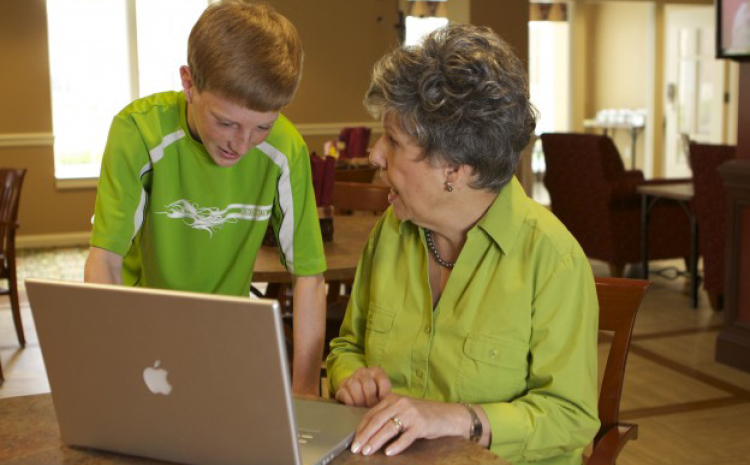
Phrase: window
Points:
(423, 17)
(549, 80)
(417, 28)
(104, 54)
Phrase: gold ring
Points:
(398, 424)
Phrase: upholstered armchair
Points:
(596, 199)
(710, 207)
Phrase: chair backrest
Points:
(356, 141)
(323, 177)
(364, 174)
(589, 160)
(11, 181)
(619, 300)
(358, 196)
(580, 169)
(709, 205)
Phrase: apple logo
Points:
(156, 379)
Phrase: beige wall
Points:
(25, 108)
(618, 62)
(342, 40)
(338, 58)
(509, 18)
(617, 55)
(339, 55)
(613, 64)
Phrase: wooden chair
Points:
(349, 197)
(357, 196)
(11, 181)
(619, 300)
(364, 174)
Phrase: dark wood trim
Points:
(733, 342)
(676, 333)
(691, 372)
(680, 368)
(743, 112)
(687, 407)
(737, 395)
(733, 347)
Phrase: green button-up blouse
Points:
(515, 330)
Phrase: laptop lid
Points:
(186, 377)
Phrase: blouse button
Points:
(492, 353)
(420, 373)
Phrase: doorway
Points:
(695, 85)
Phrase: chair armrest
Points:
(634, 175)
(609, 446)
(625, 189)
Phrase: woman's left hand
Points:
(410, 418)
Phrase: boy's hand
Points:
(364, 388)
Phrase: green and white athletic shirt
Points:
(182, 222)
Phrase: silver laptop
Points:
(185, 377)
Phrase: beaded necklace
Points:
(435, 253)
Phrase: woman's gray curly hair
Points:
(462, 95)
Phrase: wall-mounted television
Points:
(733, 29)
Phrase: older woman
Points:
(474, 311)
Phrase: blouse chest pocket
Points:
(379, 324)
(491, 369)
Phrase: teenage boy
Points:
(190, 179)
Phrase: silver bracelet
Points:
(475, 431)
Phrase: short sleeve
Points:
(298, 224)
(121, 193)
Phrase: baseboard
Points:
(53, 240)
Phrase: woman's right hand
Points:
(364, 388)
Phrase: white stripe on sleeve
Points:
(286, 229)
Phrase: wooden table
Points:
(350, 235)
(29, 435)
(683, 194)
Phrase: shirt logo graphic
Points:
(211, 218)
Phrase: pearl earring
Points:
(448, 186)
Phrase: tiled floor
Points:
(690, 409)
